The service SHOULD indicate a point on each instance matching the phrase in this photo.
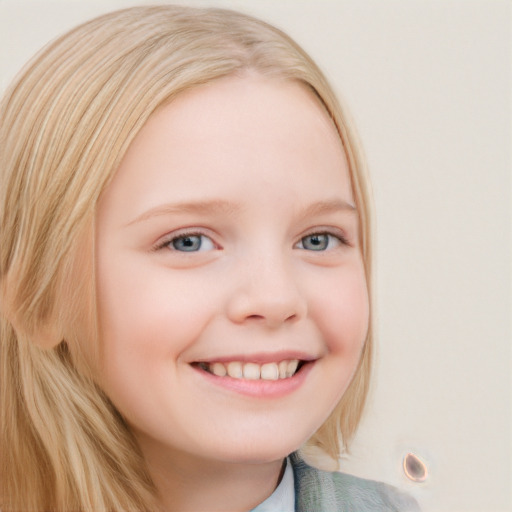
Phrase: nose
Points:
(266, 292)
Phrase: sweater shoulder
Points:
(372, 494)
(323, 491)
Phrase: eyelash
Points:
(167, 241)
(336, 234)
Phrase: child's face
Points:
(229, 236)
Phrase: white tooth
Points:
(235, 370)
(270, 371)
(283, 365)
(251, 371)
(218, 369)
(291, 367)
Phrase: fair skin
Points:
(227, 248)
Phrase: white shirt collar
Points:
(283, 498)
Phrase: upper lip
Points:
(260, 358)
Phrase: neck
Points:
(187, 483)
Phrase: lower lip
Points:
(260, 388)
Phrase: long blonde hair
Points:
(65, 124)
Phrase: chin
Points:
(258, 451)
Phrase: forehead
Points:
(214, 138)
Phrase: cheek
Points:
(156, 313)
(342, 310)
(147, 320)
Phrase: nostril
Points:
(274, 318)
(256, 317)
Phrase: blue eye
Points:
(191, 243)
(318, 242)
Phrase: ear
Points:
(47, 336)
(47, 333)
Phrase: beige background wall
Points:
(429, 84)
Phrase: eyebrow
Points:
(198, 207)
(331, 206)
(228, 208)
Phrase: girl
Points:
(185, 272)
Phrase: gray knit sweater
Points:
(322, 491)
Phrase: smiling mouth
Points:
(253, 371)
